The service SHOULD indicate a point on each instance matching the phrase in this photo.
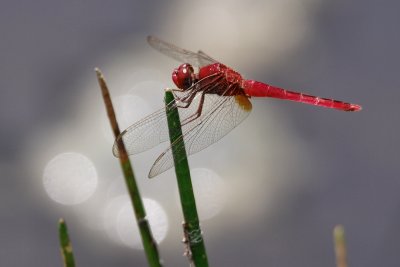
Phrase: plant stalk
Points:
(192, 231)
(65, 244)
(340, 246)
(149, 244)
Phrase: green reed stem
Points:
(191, 225)
(149, 244)
(65, 244)
(340, 246)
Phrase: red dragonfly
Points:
(211, 103)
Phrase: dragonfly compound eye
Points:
(183, 76)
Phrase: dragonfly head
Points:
(183, 76)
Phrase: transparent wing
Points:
(144, 134)
(205, 59)
(199, 59)
(221, 114)
(153, 129)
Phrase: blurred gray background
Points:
(336, 167)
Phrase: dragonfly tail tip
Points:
(354, 107)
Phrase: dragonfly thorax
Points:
(183, 76)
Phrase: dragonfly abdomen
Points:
(258, 89)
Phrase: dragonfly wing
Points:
(147, 132)
(220, 115)
(144, 134)
(180, 54)
(205, 59)
(153, 130)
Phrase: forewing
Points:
(153, 129)
(144, 134)
(182, 55)
(205, 59)
(221, 114)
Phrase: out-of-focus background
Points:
(269, 193)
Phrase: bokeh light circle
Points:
(70, 178)
(110, 215)
(127, 227)
(129, 108)
(210, 192)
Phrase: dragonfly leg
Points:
(176, 90)
(198, 112)
(185, 102)
(181, 104)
